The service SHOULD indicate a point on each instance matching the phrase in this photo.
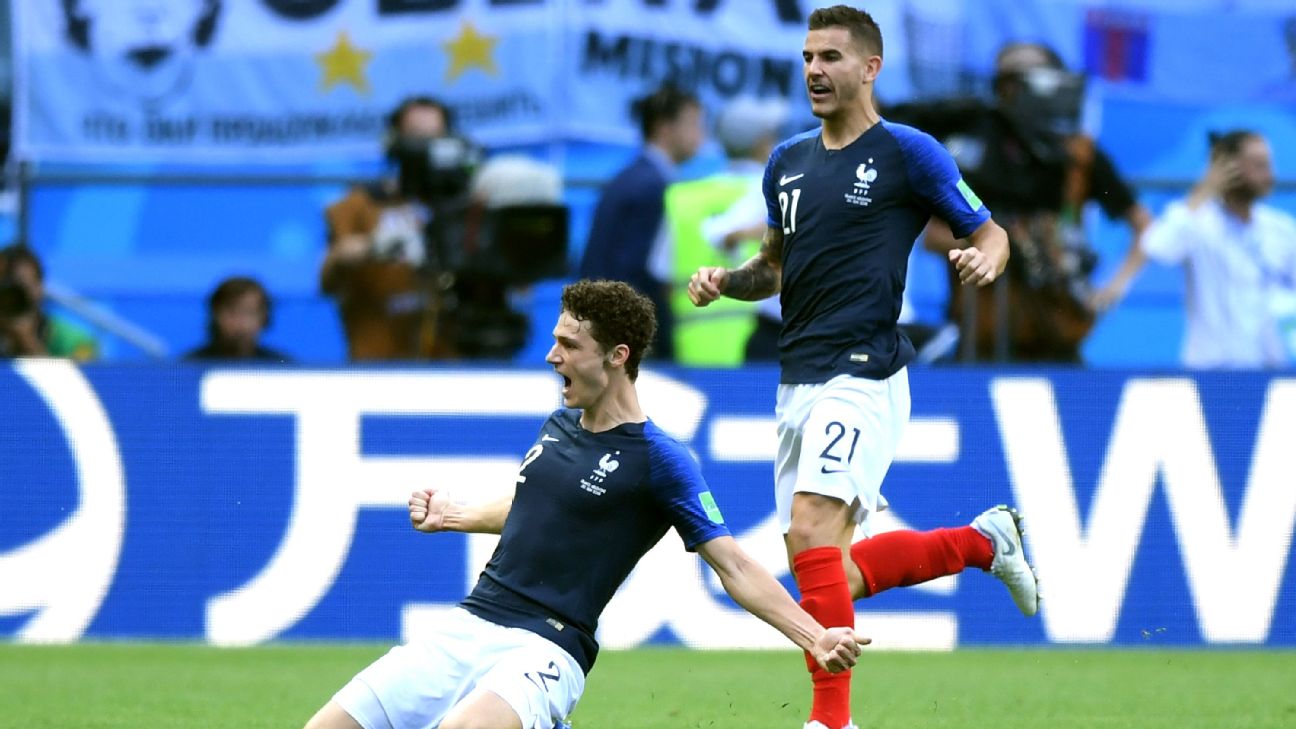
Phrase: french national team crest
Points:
(606, 465)
(864, 178)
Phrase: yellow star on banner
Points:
(344, 63)
(470, 49)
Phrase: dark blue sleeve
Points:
(936, 180)
(676, 480)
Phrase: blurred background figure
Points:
(1238, 256)
(719, 220)
(27, 329)
(1027, 158)
(628, 221)
(238, 313)
(423, 263)
(376, 237)
(511, 233)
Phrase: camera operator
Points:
(26, 329)
(424, 264)
(1026, 157)
(377, 251)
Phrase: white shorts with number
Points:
(415, 685)
(838, 439)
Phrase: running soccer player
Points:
(845, 203)
(599, 488)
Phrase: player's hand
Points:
(973, 266)
(1222, 173)
(707, 285)
(427, 509)
(838, 649)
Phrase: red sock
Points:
(906, 557)
(825, 594)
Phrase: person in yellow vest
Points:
(718, 221)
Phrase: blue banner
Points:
(237, 506)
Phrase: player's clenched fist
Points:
(838, 649)
(707, 285)
(974, 266)
(427, 509)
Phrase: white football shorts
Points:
(838, 438)
(415, 685)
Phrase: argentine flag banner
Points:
(271, 80)
(266, 81)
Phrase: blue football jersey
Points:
(849, 218)
(588, 506)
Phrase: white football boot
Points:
(819, 725)
(1002, 525)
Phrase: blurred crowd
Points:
(429, 261)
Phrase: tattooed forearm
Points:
(759, 277)
(754, 280)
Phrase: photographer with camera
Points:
(424, 265)
(377, 248)
(26, 329)
(1027, 158)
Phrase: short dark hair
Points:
(617, 315)
(863, 28)
(662, 106)
(1229, 143)
(18, 254)
(229, 291)
(397, 115)
(1052, 59)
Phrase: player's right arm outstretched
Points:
(431, 510)
(758, 278)
(753, 587)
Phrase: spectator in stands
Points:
(27, 329)
(1238, 256)
(719, 220)
(377, 249)
(1027, 158)
(238, 313)
(628, 219)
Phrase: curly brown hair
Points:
(617, 315)
(863, 29)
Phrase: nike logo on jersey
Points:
(824, 469)
(546, 438)
(785, 179)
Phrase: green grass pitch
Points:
(106, 686)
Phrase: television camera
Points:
(493, 226)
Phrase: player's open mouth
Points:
(566, 383)
(819, 91)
